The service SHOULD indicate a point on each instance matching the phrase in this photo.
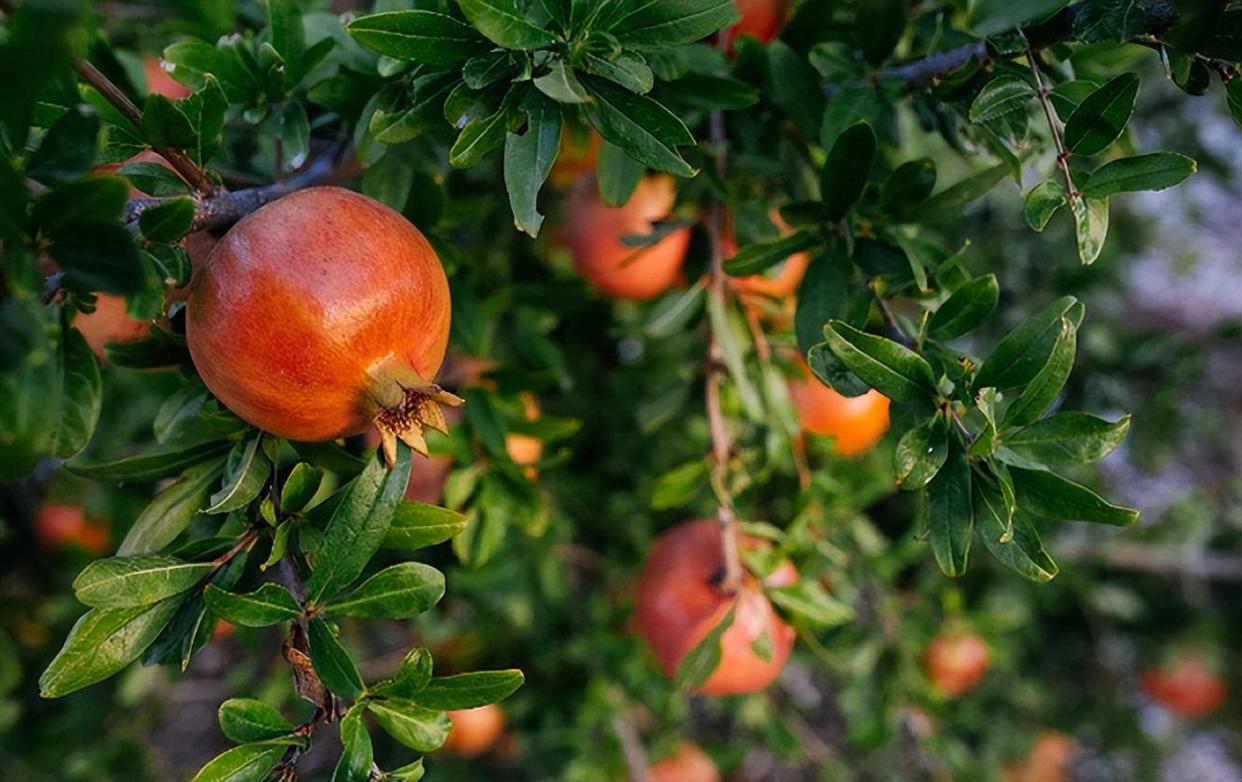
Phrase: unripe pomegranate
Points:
(594, 235)
(956, 662)
(679, 603)
(688, 763)
(474, 731)
(59, 525)
(1188, 688)
(778, 282)
(761, 19)
(160, 83)
(857, 423)
(321, 313)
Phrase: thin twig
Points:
(1054, 127)
(631, 748)
(890, 318)
(190, 171)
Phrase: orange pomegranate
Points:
(109, 323)
(322, 313)
(782, 280)
(956, 661)
(59, 525)
(761, 19)
(524, 449)
(1047, 761)
(474, 731)
(679, 604)
(688, 763)
(1188, 688)
(160, 83)
(594, 235)
(857, 423)
(578, 155)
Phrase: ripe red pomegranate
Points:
(956, 662)
(688, 763)
(1188, 688)
(321, 313)
(474, 731)
(679, 604)
(761, 19)
(59, 525)
(857, 423)
(594, 233)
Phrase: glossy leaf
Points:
(336, 669)
(300, 487)
(1069, 438)
(702, 661)
(246, 719)
(1022, 353)
(1042, 202)
(642, 24)
(470, 690)
(645, 129)
(1043, 389)
(81, 396)
(810, 602)
(849, 166)
(528, 161)
(416, 525)
(1155, 171)
(504, 24)
(268, 605)
(1052, 496)
(419, 36)
(968, 307)
(1090, 227)
(171, 511)
(1021, 549)
(245, 474)
(420, 729)
(151, 465)
(892, 369)
(357, 755)
(617, 174)
(759, 257)
(921, 452)
(128, 582)
(101, 643)
(246, 763)
(1003, 95)
(397, 592)
(949, 515)
(410, 679)
(1102, 116)
(913, 181)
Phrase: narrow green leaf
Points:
(171, 511)
(1069, 438)
(416, 525)
(504, 24)
(702, 661)
(1052, 496)
(1090, 227)
(968, 307)
(921, 452)
(848, 168)
(1006, 94)
(1155, 171)
(336, 669)
(1042, 202)
(470, 690)
(81, 395)
(420, 729)
(761, 256)
(949, 516)
(130, 582)
(246, 719)
(268, 605)
(419, 36)
(617, 174)
(528, 161)
(101, 643)
(645, 129)
(151, 465)
(1102, 116)
(912, 182)
(246, 763)
(300, 487)
(1022, 551)
(809, 601)
(892, 369)
(357, 754)
(949, 203)
(627, 69)
(410, 679)
(169, 221)
(822, 294)
(397, 592)
(561, 85)
(245, 474)
(483, 135)
(648, 24)
(1043, 389)
(1022, 353)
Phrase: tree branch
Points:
(189, 170)
(1054, 128)
(1158, 561)
(631, 748)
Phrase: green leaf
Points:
(284, 19)
(129, 582)
(153, 179)
(397, 592)
(1069, 438)
(759, 257)
(892, 369)
(922, 452)
(245, 474)
(412, 772)
(165, 125)
(357, 754)
(101, 643)
(1155, 171)
(300, 487)
(1042, 202)
(420, 729)
(949, 203)
(470, 690)
(268, 605)
(822, 295)
(68, 147)
(149, 466)
(81, 395)
(1002, 96)
(833, 372)
(949, 518)
(410, 679)
(359, 524)
(995, 16)
(169, 221)
(99, 256)
(94, 198)
(645, 129)
(1022, 551)
(809, 601)
(627, 69)
(1023, 352)
(1102, 117)
(528, 161)
(1051, 496)
(416, 525)
(483, 135)
(1043, 389)
(171, 511)
(660, 24)
(912, 182)
(504, 24)
(1090, 227)
(1110, 20)
(419, 36)
(246, 719)
(246, 763)
(336, 669)
(968, 307)
(561, 85)
(702, 661)
(849, 166)
(796, 87)
(1233, 96)
(678, 486)
(617, 174)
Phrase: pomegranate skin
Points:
(956, 662)
(857, 423)
(310, 307)
(109, 323)
(59, 526)
(594, 235)
(1188, 688)
(688, 763)
(474, 731)
(762, 19)
(678, 605)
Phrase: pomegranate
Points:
(59, 525)
(1188, 688)
(781, 281)
(688, 763)
(761, 19)
(524, 449)
(109, 323)
(857, 423)
(321, 313)
(594, 235)
(1049, 757)
(474, 731)
(956, 662)
(679, 604)
(578, 155)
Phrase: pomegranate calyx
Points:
(419, 409)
